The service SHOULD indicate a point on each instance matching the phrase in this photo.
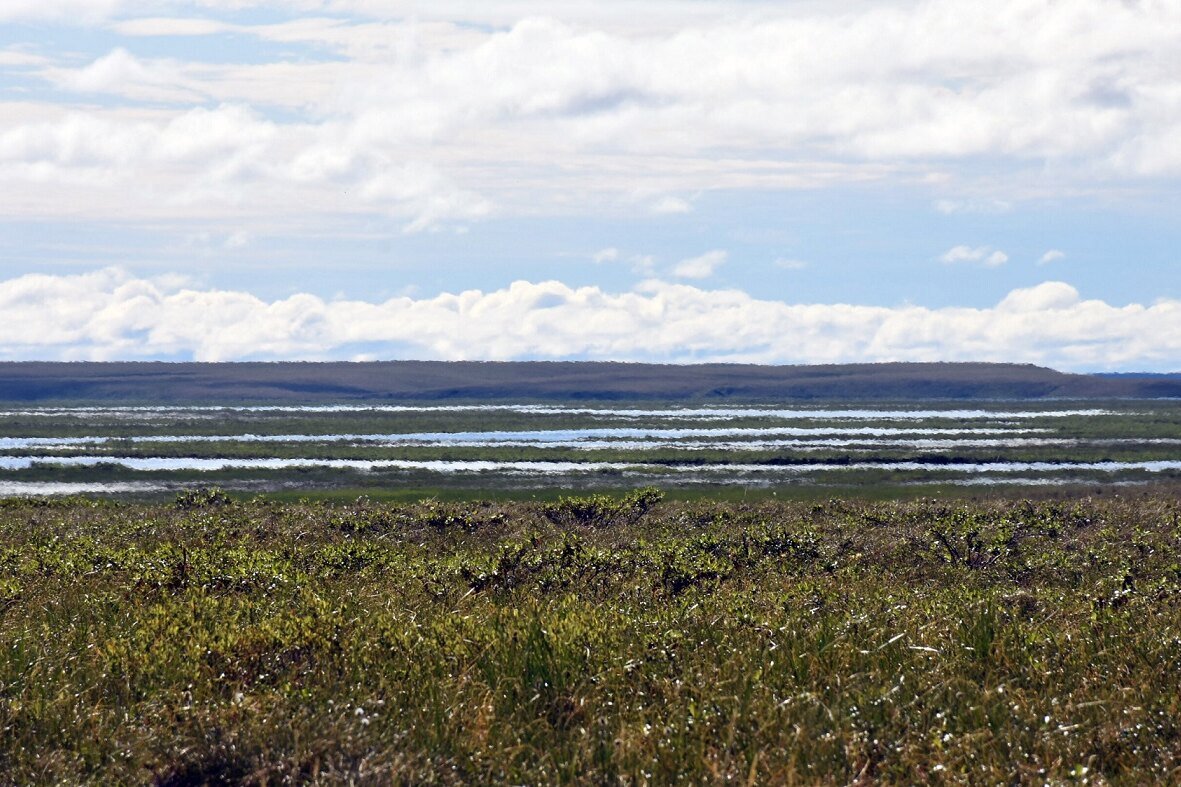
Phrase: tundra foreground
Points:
(594, 639)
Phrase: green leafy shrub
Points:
(205, 497)
(603, 510)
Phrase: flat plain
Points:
(592, 639)
(646, 593)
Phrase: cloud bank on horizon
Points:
(110, 314)
(224, 179)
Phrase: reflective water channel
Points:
(65, 450)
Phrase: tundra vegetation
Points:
(605, 638)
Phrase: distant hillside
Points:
(540, 381)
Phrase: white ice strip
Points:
(821, 444)
(799, 445)
(552, 468)
(40, 488)
(1020, 481)
(207, 464)
(656, 433)
(528, 437)
(15, 443)
(700, 413)
(827, 414)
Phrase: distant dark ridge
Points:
(213, 383)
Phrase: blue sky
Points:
(656, 180)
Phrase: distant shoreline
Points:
(152, 382)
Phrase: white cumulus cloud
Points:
(951, 207)
(111, 314)
(701, 267)
(540, 107)
(672, 205)
(790, 264)
(223, 161)
(983, 255)
(120, 72)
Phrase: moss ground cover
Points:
(591, 639)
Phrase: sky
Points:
(637, 180)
